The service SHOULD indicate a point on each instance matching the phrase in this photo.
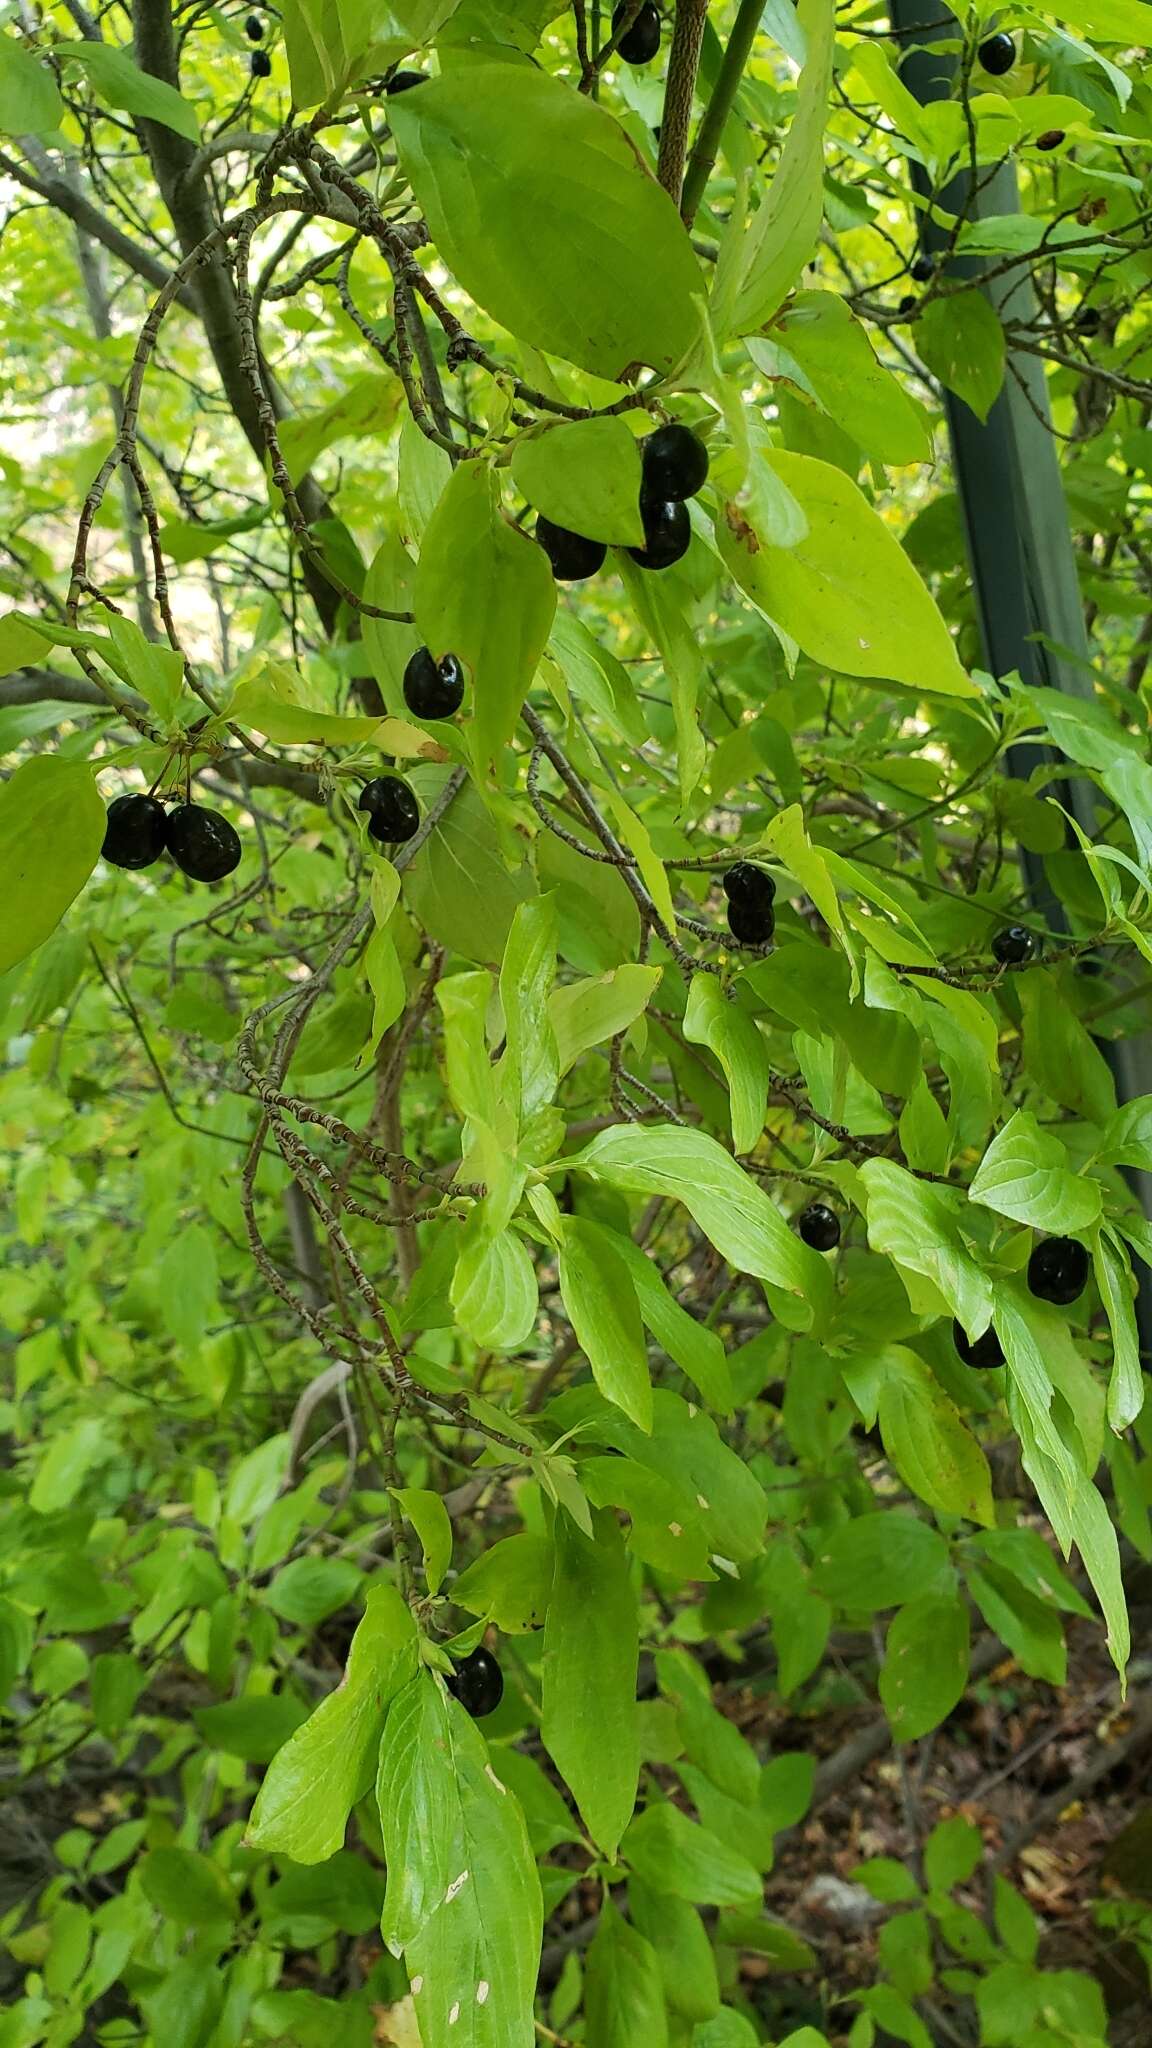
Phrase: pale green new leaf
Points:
(728, 1031)
(587, 1013)
(494, 1289)
(918, 1225)
(29, 101)
(529, 1069)
(930, 1446)
(591, 1647)
(600, 1303)
(119, 82)
(962, 340)
(1114, 1279)
(696, 1349)
(734, 1213)
(818, 340)
(313, 1783)
(846, 592)
(1026, 1174)
(783, 231)
(46, 802)
(606, 276)
(429, 1517)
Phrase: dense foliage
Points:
(564, 1144)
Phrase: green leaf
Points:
(600, 1303)
(925, 1666)
(46, 802)
(313, 1783)
(1031, 1631)
(881, 1560)
(594, 675)
(918, 1225)
(683, 1951)
(155, 670)
(818, 338)
(953, 1851)
(267, 703)
(66, 1464)
(587, 1012)
(463, 1894)
(591, 1646)
(675, 1854)
(429, 1517)
(187, 1887)
(257, 1479)
(846, 592)
(585, 475)
(187, 1277)
(713, 1020)
(458, 885)
(1025, 1174)
(119, 82)
(607, 277)
(624, 1993)
(696, 1349)
(784, 230)
(253, 1727)
(529, 1069)
(494, 1288)
(510, 1584)
(961, 340)
(309, 1589)
(29, 105)
(1117, 1292)
(931, 1448)
(484, 591)
(734, 1213)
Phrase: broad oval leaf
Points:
(606, 277)
(1026, 1174)
(585, 475)
(846, 592)
(51, 832)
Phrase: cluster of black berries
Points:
(478, 1683)
(751, 893)
(675, 467)
(260, 63)
(139, 829)
(641, 39)
(1057, 1272)
(432, 689)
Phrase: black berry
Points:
(260, 64)
(202, 843)
(675, 463)
(1088, 319)
(433, 689)
(478, 1683)
(1014, 946)
(923, 270)
(638, 44)
(819, 1226)
(751, 924)
(1051, 138)
(254, 29)
(749, 886)
(134, 835)
(393, 813)
(572, 555)
(908, 304)
(997, 53)
(403, 81)
(667, 532)
(1058, 1270)
(984, 1354)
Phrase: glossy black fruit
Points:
(572, 555)
(260, 64)
(675, 463)
(908, 304)
(667, 532)
(751, 924)
(1051, 138)
(134, 835)
(403, 81)
(1088, 320)
(393, 812)
(254, 29)
(202, 843)
(748, 885)
(923, 270)
(478, 1683)
(984, 1354)
(639, 44)
(997, 53)
(1058, 1270)
(819, 1226)
(433, 689)
(1014, 946)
